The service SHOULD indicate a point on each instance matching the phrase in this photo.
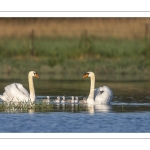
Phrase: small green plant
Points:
(86, 44)
(54, 61)
(146, 50)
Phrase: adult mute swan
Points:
(100, 95)
(16, 91)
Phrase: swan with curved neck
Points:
(100, 95)
(16, 91)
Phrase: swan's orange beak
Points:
(36, 75)
(85, 75)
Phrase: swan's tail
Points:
(1, 97)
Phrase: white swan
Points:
(16, 91)
(100, 95)
(84, 101)
(76, 100)
(47, 100)
(57, 101)
(72, 100)
(63, 100)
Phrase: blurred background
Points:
(113, 48)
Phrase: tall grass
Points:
(130, 28)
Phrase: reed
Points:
(129, 28)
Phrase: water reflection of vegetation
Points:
(130, 108)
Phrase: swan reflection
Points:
(102, 108)
(31, 111)
(99, 108)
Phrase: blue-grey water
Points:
(64, 122)
(129, 111)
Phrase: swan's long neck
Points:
(31, 88)
(92, 87)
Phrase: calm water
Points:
(129, 111)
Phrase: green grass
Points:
(64, 55)
(72, 48)
(37, 107)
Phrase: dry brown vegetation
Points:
(131, 28)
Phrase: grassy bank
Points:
(78, 55)
(118, 46)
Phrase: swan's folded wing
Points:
(22, 89)
(104, 96)
(14, 93)
(8, 93)
(96, 91)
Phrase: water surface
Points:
(129, 111)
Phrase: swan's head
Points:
(76, 98)
(58, 97)
(88, 74)
(33, 74)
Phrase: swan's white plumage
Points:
(103, 95)
(63, 100)
(57, 100)
(72, 99)
(76, 100)
(100, 95)
(10, 92)
(16, 91)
